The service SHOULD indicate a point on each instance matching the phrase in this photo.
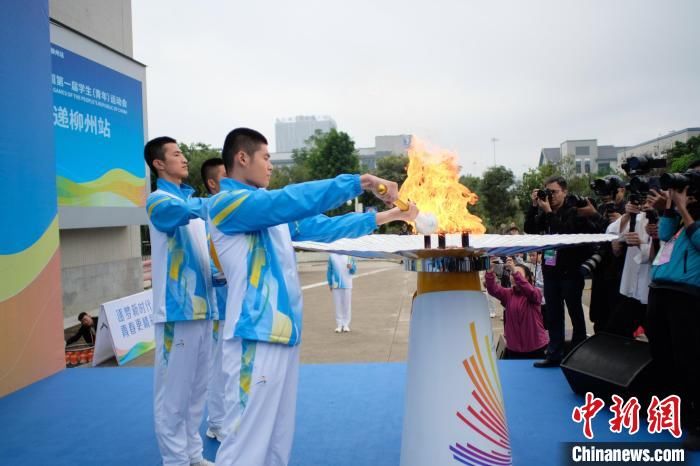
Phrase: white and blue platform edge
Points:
(347, 414)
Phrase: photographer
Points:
(605, 268)
(635, 245)
(553, 211)
(673, 320)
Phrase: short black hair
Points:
(556, 179)
(207, 170)
(240, 139)
(81, 315)
(153, 150)
(694, 165)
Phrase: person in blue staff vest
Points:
(252, 230)
(341, 268)
(184, 305)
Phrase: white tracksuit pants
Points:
(217, 380)
(342, 298)
(261, 395)
(180, 388)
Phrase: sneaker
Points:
(215, 434)
(346, 328)
(338, 329)
(546, 363)
(202, 463)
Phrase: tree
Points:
(682, 154)
(196, 154)
(496, 197)
(473, 183)
(331, 154)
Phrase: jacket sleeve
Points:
(329, 272)
(244, 211)
(494, 289)
(668, 225)
(167, 213)
(328, 229)
(693, 236)
(75, 337)
(531, 293)
(353, 265)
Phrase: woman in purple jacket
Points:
(525, 335)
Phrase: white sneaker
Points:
(346, 328)
(202, 463)
(338, 329)
(215, 434)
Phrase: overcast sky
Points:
(457, 73)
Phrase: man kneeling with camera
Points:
(554, 211)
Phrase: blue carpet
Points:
(347, 415)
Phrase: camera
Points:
(607, 186)
(544, 194)
(637, 165)
(639, 187)
(652, 216)
(610, 207)
(573, 200)
(678, 182)
(590, 264)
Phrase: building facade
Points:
(658, 146)
(293, 133)
(98, 264)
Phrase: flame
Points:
(433, 184)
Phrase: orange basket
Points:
(78, 355)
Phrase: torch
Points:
(426, 223)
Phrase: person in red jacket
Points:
(525, 335)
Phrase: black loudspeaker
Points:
(610, 365)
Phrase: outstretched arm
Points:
(244, 210)
(167, 213)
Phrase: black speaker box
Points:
(610, 365)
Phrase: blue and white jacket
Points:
(182, 279)
(338, 274)
(683, 269)
(253, 229)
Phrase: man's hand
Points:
(631, 208)
(387, 191)
(680, 199)
(544, 204)
(533, 197)
(652, 230)
(394, 214)
(657, 199)
(632, 239)
(588, 211)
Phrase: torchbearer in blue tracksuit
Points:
(212, 171)
(184, 305)
(252, 230)
(341, 268)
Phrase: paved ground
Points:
(381, 309)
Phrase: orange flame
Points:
(433, 184)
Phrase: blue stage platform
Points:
(348, 414)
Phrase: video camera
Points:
(639, 185)
(678, 182)
(607, 186)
